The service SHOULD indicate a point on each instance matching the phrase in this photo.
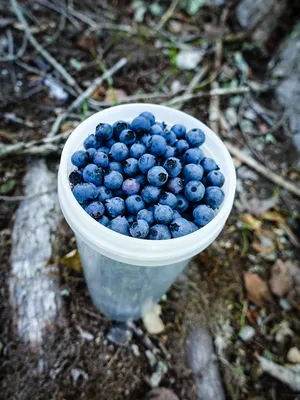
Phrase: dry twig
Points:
(168, 14)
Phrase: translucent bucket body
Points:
(127, 276)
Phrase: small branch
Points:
(17, 10)
(283, 374)
(21, 198)
(168, 14)
(261, 169)
(86, 94)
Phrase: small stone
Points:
(175, 86)
(135, 350)
(119, 335)
(76, 373)
(247, 333)
(231, 116)
(85, 335)
(284, 304)
(188, 59)
(153, 322)
(293, 355)
(157, 376)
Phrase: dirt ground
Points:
(215, 290)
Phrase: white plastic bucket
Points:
(126, 276)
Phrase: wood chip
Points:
(257, 290)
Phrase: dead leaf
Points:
(72, 260)
(153, 322)
(257, 290)
(281, 281)
(273, 216)
(257, 207)
(252, 222)
(115, 95)
(99, 93)
(88, 42)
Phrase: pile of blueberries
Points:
(143, 180)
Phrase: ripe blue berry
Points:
(193, 156)
(157, 176)
(149, 116)
(214, 197)
(80, 158)
(120, 225)
(93, 174)
(75, 177)
(84, 191)
(104, 149)
(115, 206)
(146, 215)
(110, 142)
(194, 227)
(119, 151)
(137, 150)
(176, 215)
(182, 203)
(115, 166)
(203, 214)
(192, 172)
(134, 204)
(170, 152)
(181, 147)
(104, 131)
(118, 127)
(173, 166)
(104, 220)
(150, 194)
(169, 137)
(167, 199)
(175, 185)
(194, 191)
(179, 130)
(130, 186)
(162, 125)
(142, 180)
(91, 142)
(101, 159)
(180, 227)
(155, 129)
(139, 229)
(145, 139)
(131, 219)
(104, 193)
(157, 145)
(159, 232)
(113, 180)
(209, 165)
(91, 153)
(146, 162)
(215, 178)
(128, 137)
(163, 214)
(130, 166)
(140, 125)
(95, 209)
(195, 137)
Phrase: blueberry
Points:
(170, 152)
(209, 165)
(104, 193)
(157, 145)
(194, 226)
(131, 219)
(104, 149)
(159, 232)
(192, 172)
(145, 139)
(155, 130)
(91, 153)
(203, 214)
(104, 220)
(175, 185)
(101, 159)
(93, 174)
(182, 203)
(115, 166)
(118, 127)
(163, 214)
(120, 225)
(180, 227)
(150, 194)
(119, 193)
(142, 180)
(161, 124)
(213, 198)
(215, 178)
(194, 191)
(173, 166)
(179, 130)
(167, 199)
(137, 150)
(75, 177)
(149, 116)
(181, 147)
(193, 156)
(176, 214)
(130, 167)
(130, 186)
(115, 206)
(128, 137)
(84, 191)
(146, 215)
(146, 162)
(110, 142)
(119, 151)
(113, 180)
(169, 136)
(91, 142)
(95, 209)
(157, 176)
(140, 125)
(139, 229)
(195, 137)
(134, 204)
(80, 158)
(104, 131)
